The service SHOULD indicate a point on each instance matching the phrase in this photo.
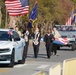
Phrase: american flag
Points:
(17, 7)
(10, 32)
(61, 41)
(69, 21)
(74, 17)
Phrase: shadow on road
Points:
(65, 50)
(39, 56)
(3, 65)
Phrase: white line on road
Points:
(19, 66)
(37, 73)
(43, 66)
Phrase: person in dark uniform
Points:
(36, 42)
(26, 37)
(48, 39)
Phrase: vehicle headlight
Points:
(4, 50)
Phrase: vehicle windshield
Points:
(67, 34)
(4, 36)
(66, 31)
(66, 28)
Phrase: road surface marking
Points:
(19, 66)
(4, 69)
(39, 73)
(43, 66)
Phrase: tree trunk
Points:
(0, 16)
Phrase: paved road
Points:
(32, 65)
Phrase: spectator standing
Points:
(48, 39)
(17, 30)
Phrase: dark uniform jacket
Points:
(49, 38)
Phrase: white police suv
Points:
(12, 47)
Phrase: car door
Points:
(19, 46)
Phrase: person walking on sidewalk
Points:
(48, 39)
(36, 42)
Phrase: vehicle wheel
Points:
(12, 60)
(23, 58)
(73, 47)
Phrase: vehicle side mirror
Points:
(11, 37)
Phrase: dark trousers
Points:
(26, 48)
(36, 50)
(49, 49)
(54, 49)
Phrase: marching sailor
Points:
(36, 42)
(48, 39)
(26, 37)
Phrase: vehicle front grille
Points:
(4, 50)
(71, 41)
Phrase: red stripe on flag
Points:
(69, 21)
(62, 40)
(15, 8)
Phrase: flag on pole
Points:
(34, 12)
(30, 24)
(17, 7)
(74, 17)
(69, 21)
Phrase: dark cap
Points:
(54, 27)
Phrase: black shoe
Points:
(48, 57)
(56, 54)
(35, 56)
